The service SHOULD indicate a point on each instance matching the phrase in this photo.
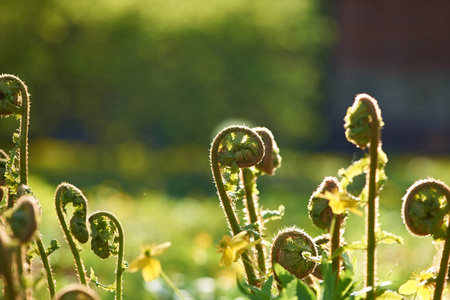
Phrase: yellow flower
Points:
(146, 261)
(419, 285)
(232, 247)
(340, 202)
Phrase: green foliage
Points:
(137, 61)
(300, 267)
(291, 287)
(273, 214)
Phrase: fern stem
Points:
(443, 269)
(372, 194)
(249, 180)
(47, 266)
(335, 230)
(225, 200)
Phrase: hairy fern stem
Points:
(239, 160)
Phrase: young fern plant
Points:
(15, 101)
(425, 212)
(107, 234)
(255, 215)
(363, 125)
(65, 194)
(107, 237)
(20, 239)
(325, 218)
(295, 251)
(22, 223)
(233, 148)
(239, 155)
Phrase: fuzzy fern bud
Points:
(10, 101)
(359, 119)
(272, 159)
(70, 194)
(104, 240)
(99, 234)
(76, 292)
(240, 146)
(291, 249)
(425, 206)
(320, 212)
(23, 219)
(23, 190)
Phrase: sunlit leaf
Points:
(384, 237)
(54, 245)
(273, 214)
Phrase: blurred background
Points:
(128, 95)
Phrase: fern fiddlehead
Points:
(14, 100)
(292, 249)
(363, 125)
(67, 193)
(105, 241)
(233, 148)
(425, 212)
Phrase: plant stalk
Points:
(225, 200)
(443, 268)
(10, 288)
(335, 229)
(24, 122)
(249, 179)
(47, 266)
(372, 195)
(171, 284)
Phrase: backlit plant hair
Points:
(425, 212)
(233, 148)
(107, 237)
(363, 125)
(66, 193)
